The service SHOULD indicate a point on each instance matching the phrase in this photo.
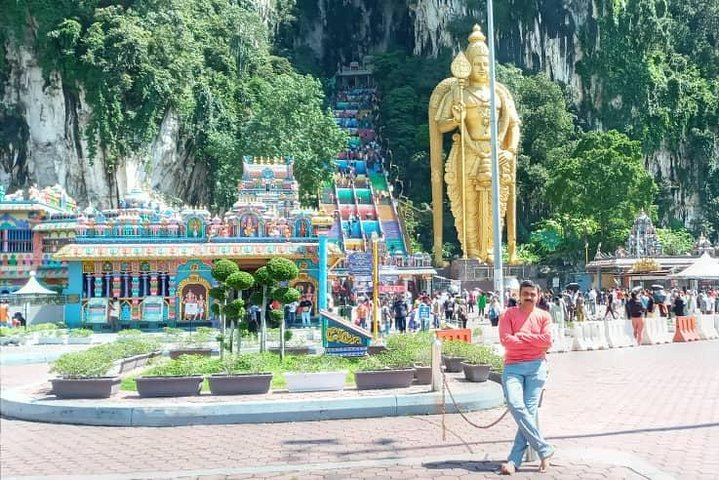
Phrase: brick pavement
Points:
(648, 412)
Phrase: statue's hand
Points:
(506, 158)
(457, 113)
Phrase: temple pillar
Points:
(322, 276)
(135, 286)
(153, 284)
(98, 284)
(172, 300)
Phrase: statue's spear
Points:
(461, 68)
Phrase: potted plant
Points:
(453, 354)
(84, 375)
(419, 347)
(134, 351)
(50, 334)
(243, 374)
(392, 369)
(477, 364)
(79, 336)
(195, 343)
(313, 373)
(180, 377)
(12, 336)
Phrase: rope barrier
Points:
(445, 388)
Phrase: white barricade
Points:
(656, 331)
(579, 342)
(705, 327)
(618, 335)
(559, 340)
(597, 335)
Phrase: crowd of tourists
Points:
(623, 303)
(408, 313)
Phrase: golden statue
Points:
(462, 102)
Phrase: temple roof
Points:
(185, 250)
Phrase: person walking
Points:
(400, 314)
(481, 304)
(610, 306)
(114, 314)
(635, 311)
(525, 333)
(306, 312)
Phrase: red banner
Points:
(392, 289)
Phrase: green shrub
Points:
(418, 346)
(255, 363)
(90, 363)
(79, 333)
(479, 355)
(130, 332)
(455, 348)
(316, 363)
(185, 365)
(390, 360)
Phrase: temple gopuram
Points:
(156, 260)
(642, 260)
(34, 224)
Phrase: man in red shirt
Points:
(524, 331)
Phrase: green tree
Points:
(288, 119)
(268, 277)
(603, 180)
(548, 128)
(231, 282)
(675, 242)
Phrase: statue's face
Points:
(480, 68)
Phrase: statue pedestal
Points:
(475, 274)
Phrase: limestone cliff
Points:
(43, 143)
(42, 123)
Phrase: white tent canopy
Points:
(33, 287)
(704, 268)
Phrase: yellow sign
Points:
(338, 335)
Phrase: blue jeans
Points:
(305, 319)
(522, 383)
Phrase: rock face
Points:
(42, 123)
(46, 144)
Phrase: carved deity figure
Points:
(461, 104)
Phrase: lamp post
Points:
(375, 285)
(496, 220)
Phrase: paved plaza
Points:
(648, 412)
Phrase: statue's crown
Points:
(477, 44)
(476, 35)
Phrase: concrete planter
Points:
(294, 350)
(495, 377)
(452, 364)
(51, 340)
(176, 352)
(315, 381)
(102, 387)
(79, 340)
(422, 375)
(169, 386)
(131, 363)
(380, 379)
(240, 384)
(476, 373)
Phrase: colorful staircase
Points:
(359, 195)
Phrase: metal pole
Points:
(496, 220)
(375, 286)
(462, 119)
